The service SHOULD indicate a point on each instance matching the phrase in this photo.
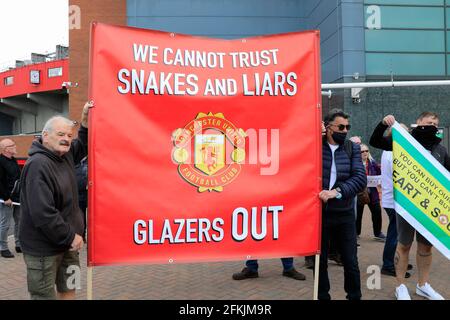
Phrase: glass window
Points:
(448, 64)
(410, 17)
(405, 40)
(8, 80)
(448, 39)
(55, 72)
(405, 64)
(447, 12)
(413, 2)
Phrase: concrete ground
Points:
(212, 281)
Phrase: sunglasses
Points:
(363, 151)
(341, 127)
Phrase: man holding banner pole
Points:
(406, 195)
(343, 177)
(52, 225)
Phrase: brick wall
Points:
(23, 144)
(106, 11)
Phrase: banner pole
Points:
(89, 282)
(14, 203)
(316, 277)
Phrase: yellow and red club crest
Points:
(209, 151)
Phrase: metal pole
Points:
(327, 93)
(89, 282)
(316, 277)
(384, 84)
(14, 203)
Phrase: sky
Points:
(28, 26)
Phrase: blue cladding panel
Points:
(410, 17)
(411, 41)
(328, 27)
(353, 62)
(221, 27)
(405, 40)
(405, 64)
(230, 19)
(351, 15)
(352, 38)
(221, 19)
(211, 8)
(325, 16)
(328, 47)
(407, 2)
(332, 69)
(321, 13)
(447, 15)
(448, 64)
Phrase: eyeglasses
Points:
(363, 151)
(341, 127)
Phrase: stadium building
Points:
(361, 41)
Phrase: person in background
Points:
(371, 197)
(426, 133)
(387, 200)
(9, 178)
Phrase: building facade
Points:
(361, 40)
(30, 94)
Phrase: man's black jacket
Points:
(50, 215)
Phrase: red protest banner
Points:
(203, 149)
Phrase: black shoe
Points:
(380, 237)
(309, 263)
(246, 273)
(391, 272)
(410, 266)
(294, 274)
(7, 254)
(18, 250)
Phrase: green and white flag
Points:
(421, 189)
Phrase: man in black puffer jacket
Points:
(51, 225)
(343, 177)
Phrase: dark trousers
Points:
(83, 206)
(288, 264)
(391, 241)
(332, 249)
(343, 228)
(375, 209)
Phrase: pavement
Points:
(212, 281)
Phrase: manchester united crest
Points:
(209, 151)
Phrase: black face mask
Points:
(339, 137)
(426, 136)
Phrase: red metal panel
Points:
(22, 84)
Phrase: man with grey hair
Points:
(9, 177)
(51, 226)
